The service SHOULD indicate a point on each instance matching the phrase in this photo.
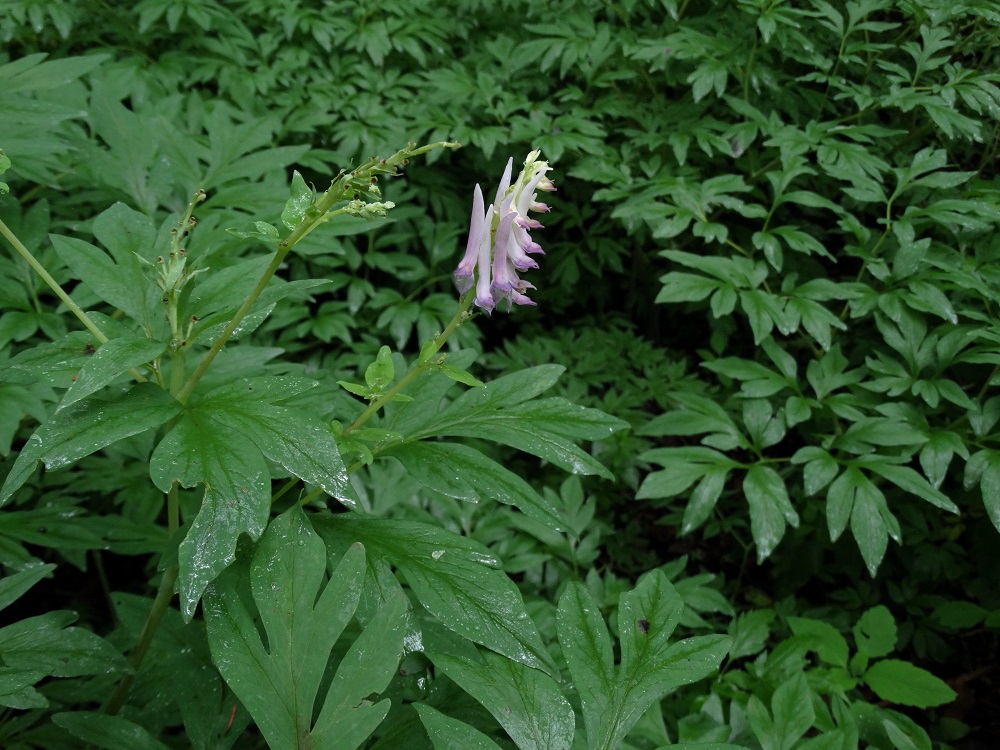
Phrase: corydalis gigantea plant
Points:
(499, 242)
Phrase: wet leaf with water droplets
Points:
(88, 426)
(279, 684)
(526, 702)
(463, 589)
(237, 497)
(614, 698)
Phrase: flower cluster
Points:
(499, 243)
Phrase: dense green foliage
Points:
(765, 352)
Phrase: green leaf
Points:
(299, 203)
(293, 438)
(651, 667)
(14, 585)
(910, 481)
(464, 473)
(380, 373)
(88, 426)
(459, 375)
(770, 508)
(750, 632)
(822, 638)
(875, 632)
(451, 734)
(109, 361)
(868, 525)
(455, 578)
(45, 643)
(792, 711)
(587, 648)
(502, 412)
(110, 732)
(266, 233)
(901, 682)
(120, 279)
(279, 685)
(237, 498)
(526, 702)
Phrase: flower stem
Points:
(423, 364)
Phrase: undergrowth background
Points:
(773, 253)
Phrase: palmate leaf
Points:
(613, 697)
(280, 684)
(455, 578)
(222, 442)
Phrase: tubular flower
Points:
(499, 241)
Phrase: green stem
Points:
(423, 364)
(185, 392)
(163, 596)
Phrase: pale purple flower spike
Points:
(499, 242)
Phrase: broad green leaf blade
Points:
(451, 734)
(791, 706)
(503, 411)
(293, 438)
(17, 691)
(875, 633)
(15, 585)
(109, 361)
(544, 428)
(770, 508)
(455, 578)
(651, 666)
(901, 682)
(279, 685)
(120, 280)
(237, 497)
(909, 480)
(526, 702)
(867, 524)
(110, 732)
(823, 638)
(45, 643)
(349, 716)
(587, 648)
(85, 427)
(464, 473)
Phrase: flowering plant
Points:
(499, 243)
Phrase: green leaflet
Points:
(790, 717)
(119, 278)
(901, 682)
(37, 647)
(88, 426)
(527, 703)
(614, 697)
(110, 732)
(279, 684)
(451, 734)
(504, 411)
(462, 472)
(109, 361)
(455, 578)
